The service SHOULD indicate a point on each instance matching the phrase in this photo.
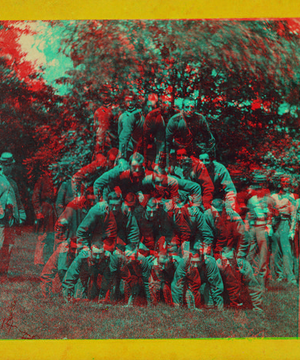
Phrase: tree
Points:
(241, 72)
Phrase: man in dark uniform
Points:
(196, 269)
(134, 180)
(7, 162)
(65, 195)
(43, 201)
(223, 186)
(9, 215)
(192, 169)
(105, 124)
(98, 225)
(127, 227)
(154, 140)
(188, 130)
(163, 232)
(130, 128)
(87, 266)
(224, 238)
(86, 176)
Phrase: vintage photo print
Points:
(149, 179)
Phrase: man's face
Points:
(136, 170)
(205, 159)
(166, 105)
(151, 105)
(189, 107)
(160, 181)
(91, 198)
(285, 183)
(164, 261)
(151, 212)
(130, 102)
(181, 156)
(115, 206)
(184, 162)
(115, 109)
(97, 254)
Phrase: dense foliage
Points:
(245, 75)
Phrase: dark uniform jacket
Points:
(65, 195)
(130, 131)
(99, 224)
(192, 133)
(222, 232)
(200, 175)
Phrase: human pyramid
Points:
(159, 219)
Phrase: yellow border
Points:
(225, 349)
(148, 349)
(145, 9)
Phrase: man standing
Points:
(9, 215)
(43, 201)
(130, 128)
(188, 130)
(105, 124)
(261, 210)
(286, 207)
(7, 162)
(155, 134)
(66, 194)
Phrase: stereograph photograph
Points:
(149, 179)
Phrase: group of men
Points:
(159, 219)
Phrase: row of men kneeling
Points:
(155, 249)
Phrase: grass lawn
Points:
(25, 314)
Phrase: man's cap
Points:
(7, 158)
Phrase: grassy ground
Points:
(25, 314)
